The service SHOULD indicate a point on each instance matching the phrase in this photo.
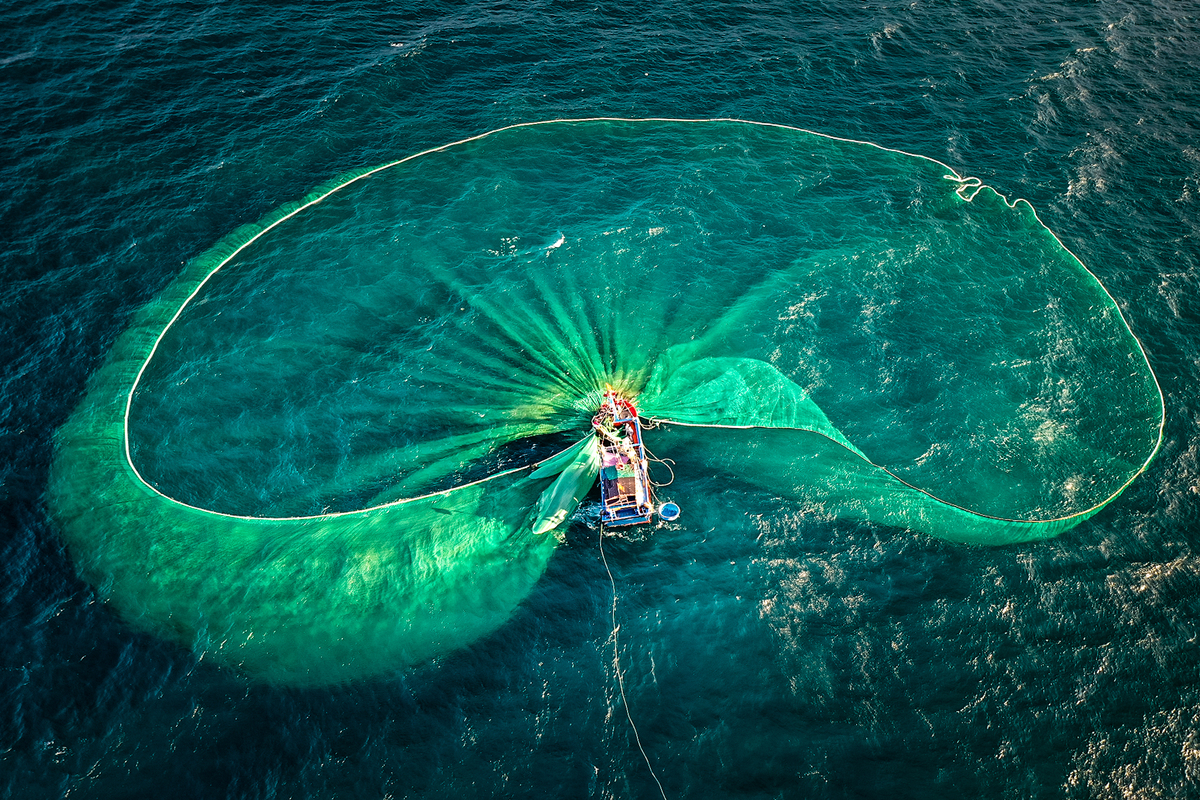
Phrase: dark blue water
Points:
(817, 658)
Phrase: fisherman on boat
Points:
(625, 490)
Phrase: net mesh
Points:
(340, 441)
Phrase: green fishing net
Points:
(348, 438)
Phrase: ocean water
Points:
(766, 651)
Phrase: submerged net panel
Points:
(304, 600)
(746, 418)
(309, 600)
(324, 450)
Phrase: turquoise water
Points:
(769, 648)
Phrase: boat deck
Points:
(624, 482)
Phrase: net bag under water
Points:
(348, 438)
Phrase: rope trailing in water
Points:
(617, 667)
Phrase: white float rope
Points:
(968, 187)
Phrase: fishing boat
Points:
(625, 491)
